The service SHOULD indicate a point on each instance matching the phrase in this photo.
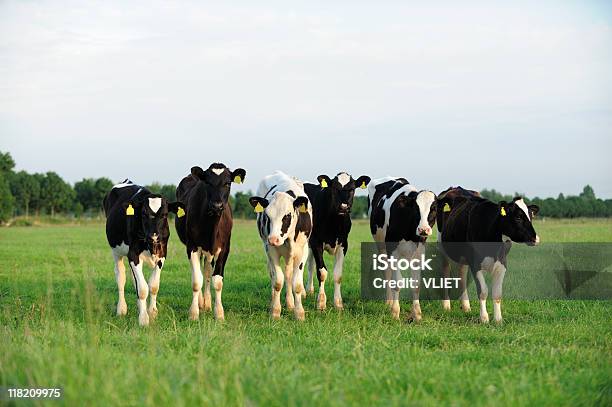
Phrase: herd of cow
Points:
(298, 221)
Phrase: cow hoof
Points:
(310, 291)
(276, 312)
(395, 315)
(299, 314)
(143, 319)
(499, 321)
(219, 313)
(322, 301)
(446, 305)
(207, 302)
(290, 304)
(201, 300)
(484, 318)
(194, 313)
(338, 304)
(389, 302)
(465, 306)
(416, 317)
(121, 308)
(153, 312)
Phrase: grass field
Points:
(58, 328)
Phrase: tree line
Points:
(26, 194)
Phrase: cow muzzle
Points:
(534, 242)
(215, 208)
(424, 231)
(344, 209)
(274, 240)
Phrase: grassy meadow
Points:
(58, 329)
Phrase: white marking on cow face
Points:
(424, 201)
(217, 171)
(343, 178)
(155, 204)
(521, 204)
(280, 206)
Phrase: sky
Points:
(516, 97)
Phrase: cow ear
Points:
(259, 204)
(362, 182)
(238, 175)
(324, 181)
(177, 208)
(301, 204)
(503, 208)
(197, 172)
(533, 210)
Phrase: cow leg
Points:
(205, 300)
(389, 292)
(154, 287)
(465, 300)
(483, 292)
(289, 301)
(298, 282)
(142, 292)
(321, 276)
(394, 295)
(311, 270)
(277, 279)
(217, 282)
(196, 284)
(499, 270)
(416, 314)
(446, 304)
(338, 264)
(120, 278)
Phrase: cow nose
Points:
(343, 206)
(216, 206)
(274, 240)
(537, 240)
(424, 231)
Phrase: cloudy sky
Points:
(512, 96)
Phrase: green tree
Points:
(360, 207)
(168, 191)
(241, 207)
(57, 195)
(7, 201)
(25, 188)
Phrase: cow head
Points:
(342, 190)
(217, 180)
(516, 221)
(424, 208)
(282, 211)
(149, 215)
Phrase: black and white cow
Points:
(446, 200)
(479, 233)
(206, 230)
(332, 200)
(401, 220)
(137, 228)
(284, 221)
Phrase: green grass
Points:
(58, 328)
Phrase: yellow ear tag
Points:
(363, 185)
(129, 211)
(259, 208)
(446, 208)
(180, 213)
(303, 208)
(323, 183)
(502, 211)
(237, 179)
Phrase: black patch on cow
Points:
(291, 194)
(286, 222)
